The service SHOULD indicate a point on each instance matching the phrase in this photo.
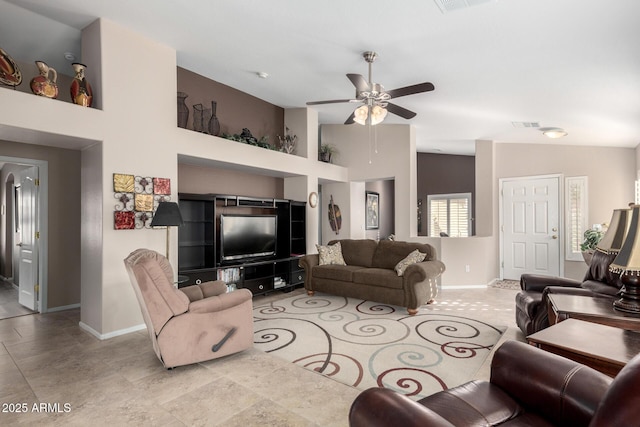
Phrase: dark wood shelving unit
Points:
(199, 242)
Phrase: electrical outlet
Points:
(467, 268)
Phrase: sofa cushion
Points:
(378, 277)
(331, 254)
(358, 252)
(389, 253)
(413, 258)
(343, 273)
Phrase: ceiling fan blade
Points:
(359, 82)
(350, 120)
(400, 111)
(332, 101)
(410, 90)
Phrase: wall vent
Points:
(525, 124)
(451, 5)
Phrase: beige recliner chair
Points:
(191, 324)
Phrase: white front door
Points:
(531, 227)
(28, 245)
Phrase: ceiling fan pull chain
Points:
(375, 139)
(369, 142)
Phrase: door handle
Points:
(19, 244)
(554, 237)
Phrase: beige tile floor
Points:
(49, 359)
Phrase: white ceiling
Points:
(573, 64)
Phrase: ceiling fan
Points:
(375, 99)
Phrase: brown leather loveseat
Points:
(528, 387)
(369, 273)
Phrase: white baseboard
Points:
(111, 334)
(61, 308)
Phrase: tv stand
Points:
(199, 243)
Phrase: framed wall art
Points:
(372, 209)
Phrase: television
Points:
(245, 237)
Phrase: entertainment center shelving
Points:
(199, 250)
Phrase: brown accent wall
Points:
(445, 174)
(235, 109)
(204, 180)
(63, 218)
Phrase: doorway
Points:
(24, 210)
(530, 226)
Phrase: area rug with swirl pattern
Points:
(367, 344)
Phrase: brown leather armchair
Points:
(191, 324)
(528, 387)
(531, 306)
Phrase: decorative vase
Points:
(183, 110)
(81, 92)
(214, 123)
(201, 117)
(42, 85)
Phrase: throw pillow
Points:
(414, 257)
(331, 254)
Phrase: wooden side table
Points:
(591, 309)
(604, 348)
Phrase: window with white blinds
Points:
(449, 214)
(576, 208)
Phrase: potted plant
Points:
(592, 237)
(326, 152)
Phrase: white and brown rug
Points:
(366, 344)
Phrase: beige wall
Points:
(386, 189)
(610, 171)
(63, 218)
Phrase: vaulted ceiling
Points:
(573, 64)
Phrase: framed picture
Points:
(372, 209)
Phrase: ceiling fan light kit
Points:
(375, 99)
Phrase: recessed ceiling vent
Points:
(525, 124)
(451, 5)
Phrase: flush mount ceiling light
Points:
(553, 132)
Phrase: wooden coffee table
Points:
(588, 308)
(604, 348)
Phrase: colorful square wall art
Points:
(137, 197)
(124, 220)
(123, 183)
(161, 186)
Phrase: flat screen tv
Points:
(244, 237)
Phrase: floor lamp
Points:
(167, 215)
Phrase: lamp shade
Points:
(614, 238)
(167, 214)
(360, 114)
(628, 259)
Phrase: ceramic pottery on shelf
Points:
(81, 92)
(214, 123)
(9, 72)
(183, 110)
(41, 84)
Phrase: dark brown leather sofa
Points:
(528, 387)
(531, 306)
